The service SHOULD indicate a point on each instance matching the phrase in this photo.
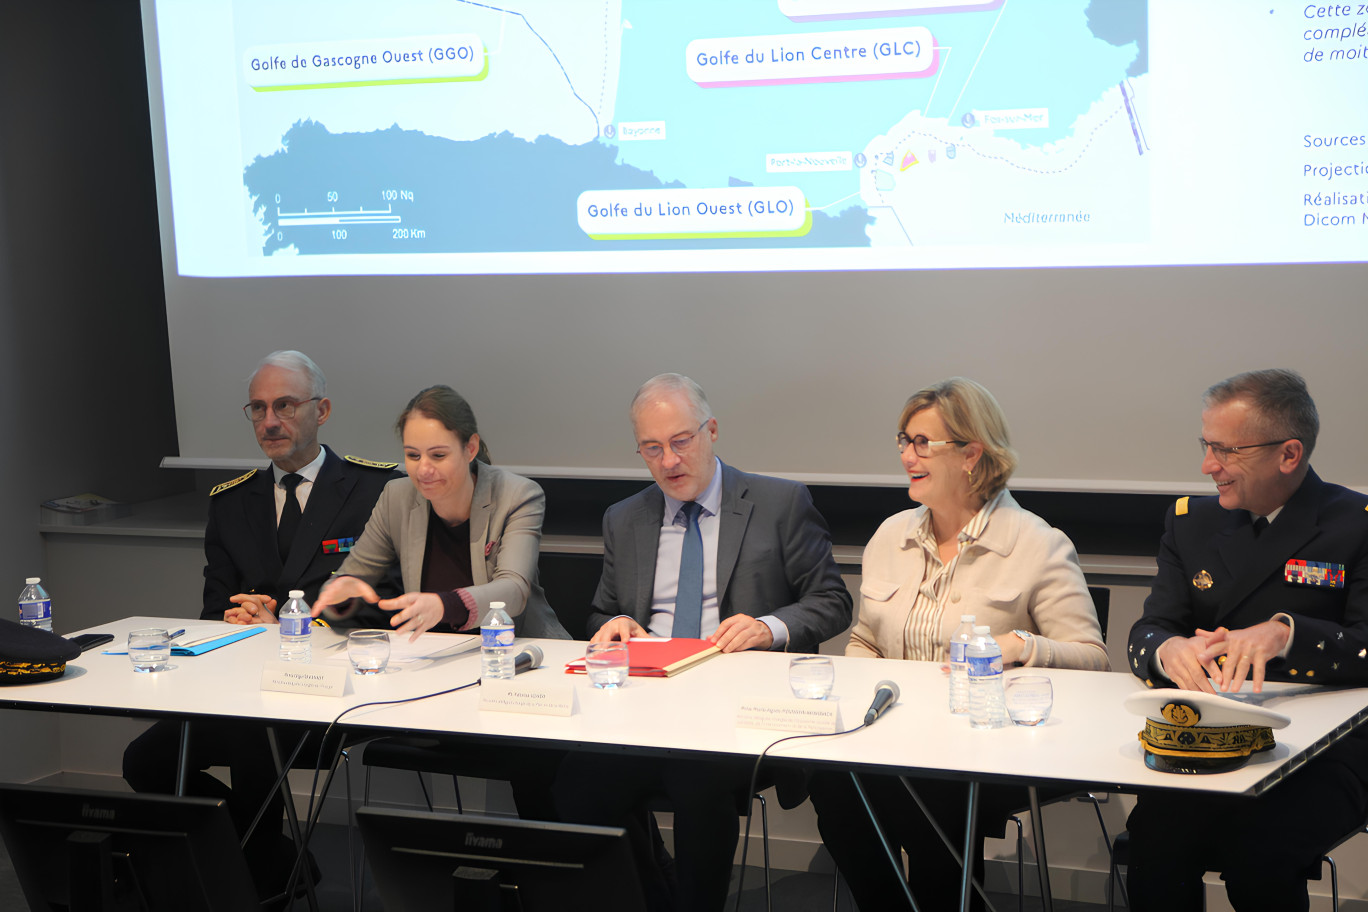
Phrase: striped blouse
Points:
(921, 638)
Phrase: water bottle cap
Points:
(981, 630)
(966, 619)
(33, 581)
(496, 606)
(297, 593)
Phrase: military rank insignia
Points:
(338, 545)
(1202, 580)
(1314, 573)
(1181, 714)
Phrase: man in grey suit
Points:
(769, 580)
(707, 551)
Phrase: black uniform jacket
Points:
(1214, 571)
(240, 540)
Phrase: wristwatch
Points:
(1027, 647)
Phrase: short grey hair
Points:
(1282, 404)
(297, 361)
(673, 383)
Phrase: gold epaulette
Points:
(219, 489)
(1180, 508)
(371, 463)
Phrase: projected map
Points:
(464, 127)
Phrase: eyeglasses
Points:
(680, 445)
(283, 408)
(1223, 453)
(922, 446)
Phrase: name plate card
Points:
(300, 677)
(537, 698)
(821, 717)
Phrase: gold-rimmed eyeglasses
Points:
(283, 408)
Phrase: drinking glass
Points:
(1029, 699)
(811, 677)
(369, 651)
(149, 649)
(606, 664)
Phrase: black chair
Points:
(1120, 855)
(427, 755)
(744, 801)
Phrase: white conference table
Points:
(1089, 740)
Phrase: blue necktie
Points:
(688, 617)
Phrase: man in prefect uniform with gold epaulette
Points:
(291, 525)
(285, 527)
(1268, 580)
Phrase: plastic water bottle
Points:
(35, 607)
(987, 703)
(959, 667)
(496, 644)
(295, 620)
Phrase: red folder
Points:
(658, 657)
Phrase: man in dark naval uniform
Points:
(285, 527)
(261, 542)
(1268, 580)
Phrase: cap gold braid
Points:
(1208, 741)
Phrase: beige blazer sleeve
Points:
(378, 547)
(505, 539)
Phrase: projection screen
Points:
(813, 207)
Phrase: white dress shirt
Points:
(309, 473)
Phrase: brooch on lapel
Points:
(1314, 573)
(1202, 580)
(338, 545)
(489, 548)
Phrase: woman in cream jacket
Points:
(1019, 575)
(967, 549)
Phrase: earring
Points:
(970, 472)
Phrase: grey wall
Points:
(87, 404)
(86, 401)
(1100, 371)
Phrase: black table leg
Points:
(883, 840)
(970, 835)
(183, 761)
(1038, 838)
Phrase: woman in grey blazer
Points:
(463, 532)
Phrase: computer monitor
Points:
(76, 850)
(425, 860)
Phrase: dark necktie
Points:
(688, 617)
(289, 515)
(1259, 525)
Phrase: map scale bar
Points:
(333, 217)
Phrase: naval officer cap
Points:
(29, 655)
(1188, 731)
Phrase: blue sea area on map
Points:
(1042, 53)
(498, 193)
